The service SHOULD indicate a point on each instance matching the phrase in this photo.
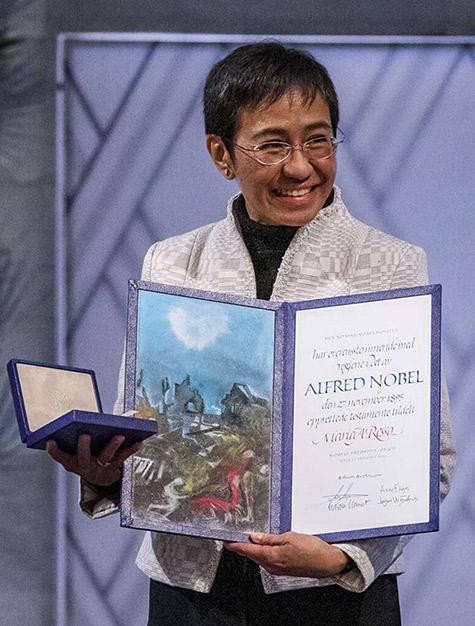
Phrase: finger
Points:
(58, 455)
(84, 451)
(108, 452)
(126, 452)
(252, 551)
(269, 539)
(52, 448)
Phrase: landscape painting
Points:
(204, 372)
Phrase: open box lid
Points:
(43, 392)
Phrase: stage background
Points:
(411, 175)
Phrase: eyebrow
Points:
(276, 130)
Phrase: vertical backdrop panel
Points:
(27, 487)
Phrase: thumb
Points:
(267, 539)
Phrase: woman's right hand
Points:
(103, 469)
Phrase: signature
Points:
(350, 476)
(344, 499)
(395, 494)
(396, 488)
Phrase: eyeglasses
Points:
(273, 152)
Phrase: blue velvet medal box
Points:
(320, 417)
(61, 403)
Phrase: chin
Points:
(295, 217)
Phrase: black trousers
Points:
(237, 598)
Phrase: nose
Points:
(297, 165)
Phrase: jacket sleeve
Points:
(373, 557)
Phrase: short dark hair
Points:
(258, 74)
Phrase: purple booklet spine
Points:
(287, 417)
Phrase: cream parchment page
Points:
(361, 450)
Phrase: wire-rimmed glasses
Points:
(274, 152)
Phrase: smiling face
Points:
(288, 193)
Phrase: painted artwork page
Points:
(204, 372)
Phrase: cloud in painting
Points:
(194, 330)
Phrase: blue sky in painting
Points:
(216, 343)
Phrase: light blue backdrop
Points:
(133, 169)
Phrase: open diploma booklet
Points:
(320, 417)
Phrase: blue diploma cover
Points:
(61, 403)
(320, 417)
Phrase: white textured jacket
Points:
(334, 254)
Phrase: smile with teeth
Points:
(294, 193)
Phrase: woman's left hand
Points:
(293, 554)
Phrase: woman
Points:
(271, 117)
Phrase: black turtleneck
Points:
(266, 244)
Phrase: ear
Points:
(220, 155)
